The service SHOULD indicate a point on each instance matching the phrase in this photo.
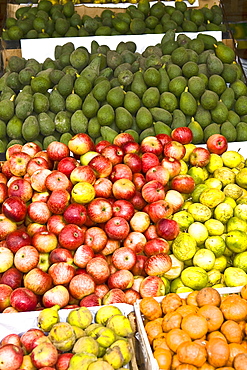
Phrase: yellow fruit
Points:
(83, 192)
(231, 158)
(215, 162)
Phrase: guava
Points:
(216, 244)
(211, 197)
(194, 277)
(234, 276)
(204, 258)
(184, 246)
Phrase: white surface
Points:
(40, 49)
(125, 5)
(18, 323)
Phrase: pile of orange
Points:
(205, 331)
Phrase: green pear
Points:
(104, 336)
(114, 357)
(48, 317)
(62, 336)
(81, 361)
(103, 314)
(120, 324)
(81, 317)
(86, 344)
(125, 349)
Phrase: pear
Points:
(48, 317)
(103, 314)
(86, 344)
(100, 365)
(62, 336)
(91, 327)
(81, 361)
(104, 336)
(120, 324)
(114, 357)
(125, 350)
(81, 317)
(79, 332)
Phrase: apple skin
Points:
(37, 281)
(58, 201)
(40, 197)
(131, 296)
(44, 154)
(217, 144)
(103, 188)
(131, 147)
(57, 180)
(122, 279)
(16, 148)
(167, 229)
(123, 189)
(135, 241)
(114, 295)
(90, 300)
(122, 138)
(83, 254)
(31, 148)
(56, 223)
(124, 258)
(139, 180)
(45, 354)
(63, 361)
(101, 145)
(82, 173)
(23, 300)
(151, 144)
(101, 165)
(133, 161)
(11, 339)
(75, 214)
(61, 273)
(66, 165)
(14, 208)
(34, 227)
(183, 135)
(5, 293)
(101, 290)
(172, 165)
(174, 199)
(71, 237)
(81, 143)
(17, 239)
(158, 173)
(96, 238)
(38, 212)
(21, 188)
(149, 160)
(153, 191)
(151, 232)
(99, 210)
(110, 247)
(159, 209)
(114, 153)
(155, 246)
(152, 286)
(158, 264)
(199, 157)
(174, 149)
(61, 255)
(38, 178)
(117, 228)
(98, 269)
(121, 171)
(59, 295)
(44, 241)
(140, 221)
(183, 184)
(3, 192)
(123, 208)
(18, 163)
(35, 164)
(26, 258)
(57, 151)
(11, 357)
(28, 339)
(12, 277)
(81, 285)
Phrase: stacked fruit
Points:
(78, 343)
(47, 20)
(204, 331)
(187, 82)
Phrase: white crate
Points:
(148, 358)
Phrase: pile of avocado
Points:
(182, 82)
(61, 20)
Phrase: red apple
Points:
(153, 191)
(17, 239)
(123, 189)
(83, 255)
(174, 199)
(59, 295)
(14, 209)
(217, 144)
(121, 171)
(110, 247)
(61, 255)
(167, 228)
(57, 151)
(149, 160)
(38, 180)
(158, 264)
(158, 173)
(45, 354)
(3, 192)
(37, 281)
(151, 144)
(57, 180)
(183, 135)
(117, 228)
(172, 165)
(101, 290)
(151, 232)
(152, 286)
(26, 258)
(155, 246)
(140, 221)
(101, 165)
(96, 238)
(139, 180)
(132, 296)
(18, 163)
(122, 279)
(159, 209)
(137, 281)
(90, 300)
(16, 148)
(76, 214)
(98, 269)
(135, 241)
(114, 295)
(12, 277)
(11, 357)
(133, 161)
(58, 201)
(31, 148)
(99, 210)
(29, 339)
(122, 138)
(199, 157)
(138, 201)
(6, 258)
(44, 241)
(56, 223)
(61, 273)
(23, 300)
(71, 237)
(174, 149)
(81, 143)
(34, 227)
(103, 188)
(130, 147)
(82, 173)
(164, 138)
(11, 339)
(44, 154)
(102, 144)
(5, 293)
(124, 258)
(114, 153)
(35, 164)
(5, 168)
(67, 165)
(81, 285)
(183, 184)
(38, 212)
(63, 361)
(22, 189)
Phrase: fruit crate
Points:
(148, 358)
(18, 323)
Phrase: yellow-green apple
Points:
(57, 180)
(35, 164)
(199, 157)
(61, 273)
(76, 214)
(103, 188)
(71, 237)
(11, 339)
(16, 148)
(133, 161)
(158, 173)
(122, 279)
(123, 189)
(38, 178)
(96, 238)
(44, 262)
(44, 241)
(140, 221)
(38, 281)
(131, 296)
(159, 209)
(14, 209)
(183, 184)
(3, 192)
(83, 254)
(90, 300)
(149, 160)
(122, 138)
(18, 163)
(99, 210)
(63, 361)
(138, 268)
(121, 171)
(67, 165)
(98, 269)
(38, 212)
(61, 255)
(82, 173)
(26, 258)
(151, 144)
(57, 151)
(158, 264)
(58, 295)
(6, 259)
(117, 228)
(11, 357)
(5, 293)
(58, 201)
(23, 300)
(101, 165)
(114, 153)
(135, 241)
(12, 277)
(167, 228)
(139, 180)
(86, 157)
(40, 197)
(175, 199)
(114, 295)
(81, 285)
(130, 147)
(155, 246)
(56, 223)
(217, 144)
(21, 188)
(172, 165)
(152, 286)
(183, 135)
(45, 354)
(124, 258)
(81, 143)
(31, 148)
(101, 145)
(101, 290)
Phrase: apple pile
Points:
(84, 224)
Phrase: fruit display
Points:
(203, 331)
(83, 340)
(47, 20)
(112, 223)
(102, 92)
